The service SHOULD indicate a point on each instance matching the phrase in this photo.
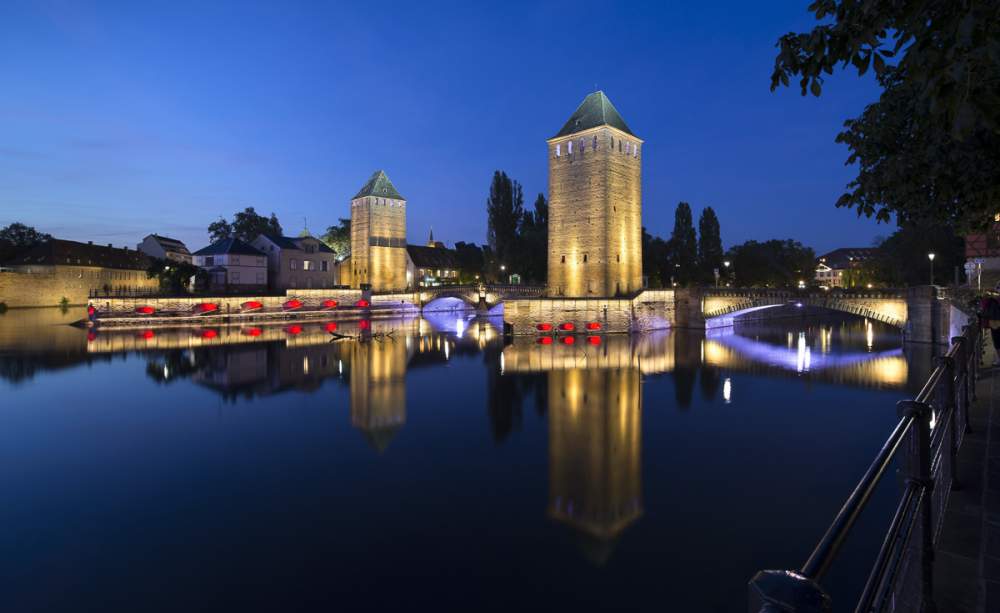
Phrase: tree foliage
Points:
(338, 238)
(684, 246)
(504, 209)
(174, 277)
(901, 259)
(710, 254)
(773, 263)
(246, 226)
(929, 149)
(656, 260)
(20, 235)
(531, 259)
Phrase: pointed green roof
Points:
(379, 185)
(595, 110)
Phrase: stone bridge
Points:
(483, 296)
(721, 307)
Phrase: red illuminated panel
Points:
(253, 332)
(594, 340)
(292, 304)
(252, 305)
(593, 326)
(147, 334)
(91, 311)
(364, 324)
(363, 303)
(91, 336)
(545, 340)
(544, 327)
(568, 340)
(567, 327)
(145, 310)
(209, 333)
(329, 304)
(294, 329)
(331, 327)
(206, 307)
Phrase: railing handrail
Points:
(950, 383)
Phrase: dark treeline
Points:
(517, 239)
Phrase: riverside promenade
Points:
(967, 564)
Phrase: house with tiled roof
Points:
(433, 264)
(233, 266)
(303, 262)
(165, 248)
(834, 269)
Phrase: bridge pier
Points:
(932, 317)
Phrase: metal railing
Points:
(926, 440)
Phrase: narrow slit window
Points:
(563, 261)
(569, 148)
(558, 150)
(584, 258)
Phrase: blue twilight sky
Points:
(118, 119)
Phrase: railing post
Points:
(785, 591)
(947, 402)
(918, 471)
(962, 374)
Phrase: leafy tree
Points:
(929, 149)
(470, 261)
(246, 226)
(174, 276)
(773, 263)
(531, 256)
(21, 235)
(338, 238)
(901, 259)
(219, 230)
(710, 254)
(684, 246)
(504, 209)
(656, 260)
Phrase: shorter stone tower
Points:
(595, 204)
(378, 235)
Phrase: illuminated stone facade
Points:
(378, 235)
(595, 204)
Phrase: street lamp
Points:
(930, 256)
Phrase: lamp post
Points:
(727, 263)
(930, 256)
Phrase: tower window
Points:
(619, 146)
(563, 261)
(558, 150)
(584, 258)
(595, 142)
(618, 257)
(569, 148)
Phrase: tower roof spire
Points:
(379, 185)
(595, 110)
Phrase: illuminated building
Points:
(595, 204)
(378, 235)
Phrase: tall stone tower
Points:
(595, 204)
(378, 235)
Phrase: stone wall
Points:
(595, 214)
(381, 221)
(650, 310)
(227, 304)
(48, 285)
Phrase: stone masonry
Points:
(595, 207)
(378, 235)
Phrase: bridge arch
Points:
(723, 308)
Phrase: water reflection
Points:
(589, 393)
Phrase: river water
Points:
(415, 463)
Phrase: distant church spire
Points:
(430, 241)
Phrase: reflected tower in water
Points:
(378, 389)
(595, 432)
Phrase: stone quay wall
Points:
(74, 283)
(650, 310)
